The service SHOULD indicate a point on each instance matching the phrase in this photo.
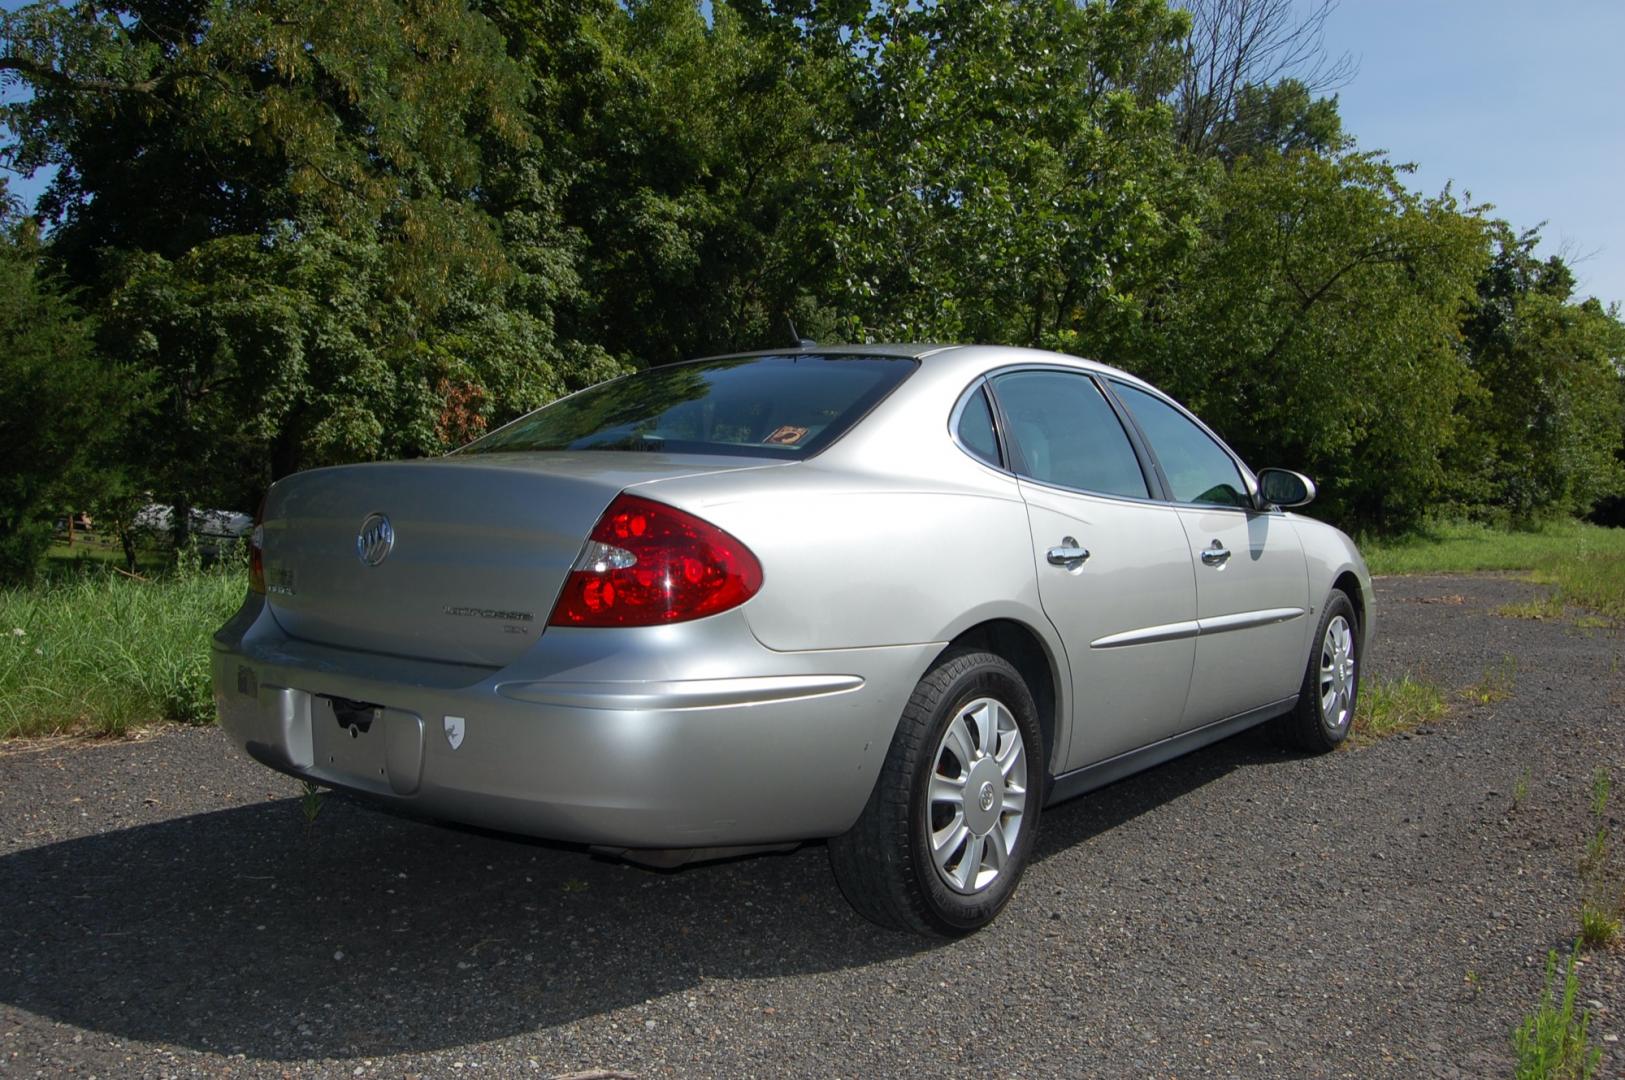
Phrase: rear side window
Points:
(1063, 432)
(1198, 469)
(975, 429)
(784, 407)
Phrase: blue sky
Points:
(1519, 103)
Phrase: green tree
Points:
(1009, 175)
(1318, 327)
(173, 123)
(1545, 421)
(284, 211)
(1283, 116)
(58, 405)
(676, 152)
(1254, 75)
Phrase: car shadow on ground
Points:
(367, 933)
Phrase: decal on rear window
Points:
(786, 436)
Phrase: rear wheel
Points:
(950, 824)
(1331, 682)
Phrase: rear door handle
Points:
(1217, 555)
(1069, 554)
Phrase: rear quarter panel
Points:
(850, 561)
(893, 536)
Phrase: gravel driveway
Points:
(1382, 911)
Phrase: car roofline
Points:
(920, 350)
(905, 350)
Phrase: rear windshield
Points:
(784, 407)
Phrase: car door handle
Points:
(1217, 555)
(1069, 554)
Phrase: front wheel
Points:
(1331, 682)
(950, 824)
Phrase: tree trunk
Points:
(180, 523)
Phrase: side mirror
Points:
(1285, 488)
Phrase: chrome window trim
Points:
(986, 378)
(1063, 489)
(958, 412)
(1248, 478)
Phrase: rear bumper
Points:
(686, 736)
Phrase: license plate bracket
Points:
(349, 743)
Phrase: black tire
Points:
(884, 863)
(1310, 726)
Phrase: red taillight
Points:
(256, 552)
(646, 563)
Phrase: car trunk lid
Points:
(474, 554)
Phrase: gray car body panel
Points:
(769, 722)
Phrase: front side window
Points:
(1063, 432)
(783, 407)
(1198, 469)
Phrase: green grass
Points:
(1595, 581)
(1553, 1043)
(98, 652)
(1462, 548)
(1539, 609)
(1389, 706)
(1585, 563)
(92, 549)
(1598, 927)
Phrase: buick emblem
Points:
(455, 726)
(375, 540)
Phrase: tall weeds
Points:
(100, 652)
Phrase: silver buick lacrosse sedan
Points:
(898, 597)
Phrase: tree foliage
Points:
(1247, 59)
(59, 402)
(1318, 324)
(304, 233)
(1010, 175)
(1546, 416)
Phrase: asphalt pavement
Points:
(166, 909)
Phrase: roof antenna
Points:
(801, 342)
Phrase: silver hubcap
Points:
(978, 796)
(1337, 674)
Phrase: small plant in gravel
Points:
(1595, 859)
(1389, 706)
(1520, 790)
(1553, 1043)
(1602, 883)
(1539, 609)
(1496, 685)
(1598, 926)
(310, 804)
